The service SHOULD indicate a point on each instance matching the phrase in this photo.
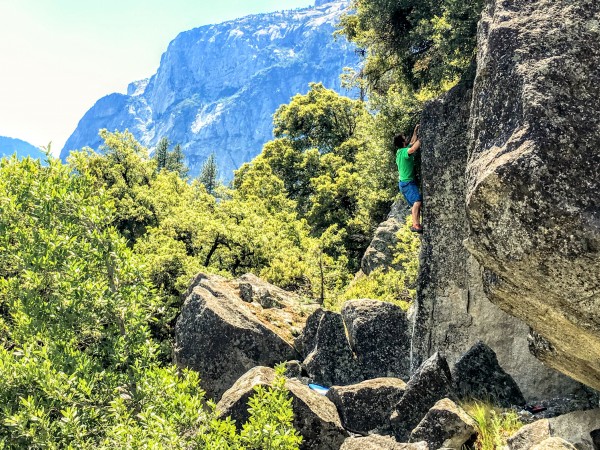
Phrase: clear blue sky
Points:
(59, 56)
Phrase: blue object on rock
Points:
(320, 389)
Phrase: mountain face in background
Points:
(218, 86)
(9, 146)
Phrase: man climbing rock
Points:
(405, 160)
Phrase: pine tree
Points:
(209, 173)
(161, 154)
(176, 162)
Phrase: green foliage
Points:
(176, 162)
(415, 43)
(79, 366)
(323, 155)
(495, 426)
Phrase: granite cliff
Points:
(512, 213)
(218, 86)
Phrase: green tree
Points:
(176, 162)
(162, 151)
(209, 174)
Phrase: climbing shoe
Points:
(416, 229)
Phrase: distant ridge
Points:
(10, 146)
(218, 86)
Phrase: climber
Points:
(405, 152)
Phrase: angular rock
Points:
(220, 336)
(375, 442)
(367, 406)
(315, 417)
(380, 253)
(446, 425)
(328, 357)
(379, 334)
(477, 375)
(576, 428)
(532, 178)
(432, 382)
(553, 443)
(529, 435)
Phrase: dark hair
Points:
(399, 141)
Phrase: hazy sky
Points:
(57, 57)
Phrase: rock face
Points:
(532, 178)
(315, 417)
(453, 311)
(380, 253)
(328, 359)
(446, 425)
(367, 406)
(8, 146)
(222, 337)
(379, 335)
(432, 382)
(218, 86)
(477, 375)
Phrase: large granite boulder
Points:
(315, 417)
(452, 309)
(222, 337)
(379, 334)
(446, 425)
(477, 375)
(532, 178)
(431, 382)
(380, 253)
(328, 359)
(367, 406)
(376, 442)
(554, 443)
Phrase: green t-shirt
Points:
(406, 164)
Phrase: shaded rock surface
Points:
(453, 310)
(432, 382)
(380, 253)
(366, 406)
(446, 425)
(477, 375)
(315, 417)
(376, 442)
(379, 335)
(208, 93)
(532, 178)
(222, 337)
(328, 359)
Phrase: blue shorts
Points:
(410, 190)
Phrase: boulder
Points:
(367, 406)
(431, 382)
(446, 425)
(222, 337)
(477, 375)
(532, 198)
(452, 309)
(553, 443)
(328, 357)
(530, 435)
(380, 253)
(315, 417)
(576, 428)
(375, 442)
(379, 334)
